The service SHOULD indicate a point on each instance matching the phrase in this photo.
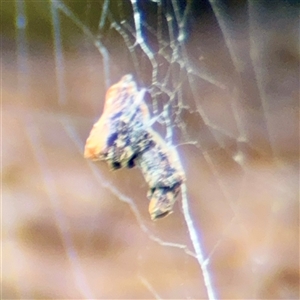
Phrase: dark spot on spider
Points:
(116, 165)
(111, 139)
(165, 189)
(116, 116)
(176, 185)
(131, 162)
(163, 156)
(162, 215)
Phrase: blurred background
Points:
(222, 79)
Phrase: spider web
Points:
(222, 87)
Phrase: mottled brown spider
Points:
(123, 137)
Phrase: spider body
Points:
(120, 134)
(123, 138)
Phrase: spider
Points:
(123, 138)
(120, 134)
